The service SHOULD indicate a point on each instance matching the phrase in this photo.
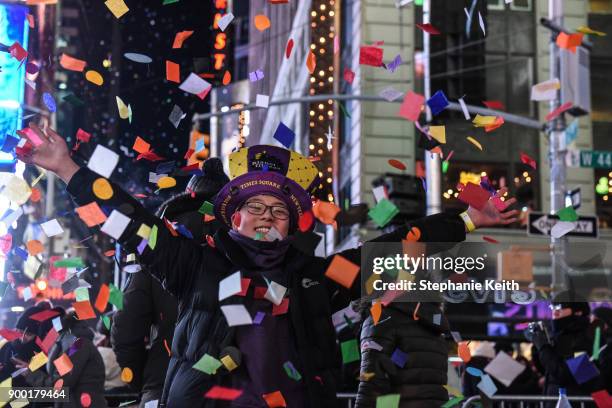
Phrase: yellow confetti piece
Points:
(590, 31)
(229, 363)
(127, 375)
(17, 190)
(144, 231)
(42, 174)
(166, 182)
(124, 112)
(102, 189)
(38, 361)
(481, 121)
(94, 77)
(117, 7)
(474, 142)
(438, 133)
(366, 376)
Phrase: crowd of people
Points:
(181, 339)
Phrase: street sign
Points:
(541, 224)
(597, 159)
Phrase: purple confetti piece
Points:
(424, 183)
(393, 65)
(141, 247)
(259, 317)
(49, 101)
(32, 68)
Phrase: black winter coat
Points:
(87, 375)
(421, 381)
(192, 273)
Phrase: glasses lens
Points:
(256, 208)
(280, 212)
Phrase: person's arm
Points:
(442, 227)
(555, 365)
(173, 258)
(131, 325)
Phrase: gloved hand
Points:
(539, 339)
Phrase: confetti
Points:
(117, 7)
(71, 63)
(311, 62)
(180, 38)
(526, 159)
(438, 102)
(372, 56)
(102, 189)
(49, 102)
(262, 23)
(569, 41)
(412, 106)
(474, 142)
(140, 58)
(397, 164)
(224, 22)
(173, 72)
(94, 77)
(429, 28)
(289, 48)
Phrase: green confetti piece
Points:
(444, 167)
(207, 208)
(384, 212)
(453, 402)
(153, 237)
(106, 321)
(169, 2)
(259, 236)
(568, 214)
(115, 297)
(69, 263)
(596, 343)
(350, 351)
(208, 364)
(388, 401)
(81, 294)
(291, 371)
(418, 3)
(343, 109)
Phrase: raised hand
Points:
(490, 216)
(52, 154)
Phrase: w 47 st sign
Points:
(597, 159)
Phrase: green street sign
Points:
(597, 159)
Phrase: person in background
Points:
(112, 371)
(484, 353)
(405, 330)
(570, 335)
(85, 379)
(602, 316)
(142, 331)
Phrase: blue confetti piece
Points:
(284, 135)
(265, 167)
(474, 371)
(399, 358)
(184, 231)
(8, 166)
(141, 247)
(199, 146)
(259, 317)
(22, 253)
(9, 143)
(49, 102)
(437, 319)
(438, 102)
(393, 65)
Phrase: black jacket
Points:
(148, 312)
(192, 273)
(421, 381)
(87, 374)
(553, 358)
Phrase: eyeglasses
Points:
(277, 211)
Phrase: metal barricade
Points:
(349, 397)
(528, 401)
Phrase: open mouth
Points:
(263, 230)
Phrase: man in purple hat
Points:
(250, 332)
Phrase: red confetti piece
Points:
(489, 239)
(210, 240)
(349, 75)
(289, 48)
(110, 252)
(167, 348)
(528, 161)
(370, 56)
(306, 221)
(554, 114)
(498, 105)
(85, 399)
(223, 393)
(429, 28)
(397, 164)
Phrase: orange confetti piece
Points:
(167, 348)
(102, 299)
(311, 62)
(71, 63)
(84, 310)
(110, 252)
(474, 142)
(63, 364)
(91, 214)
(36, 195)
(413, 235)
(173, 72)
(102, 189)
(464, 351)
(342, 271)
(94, 77)
(275, 399)
(397, 164)
(141, 146)
(415, 315)
(262, 23)
(127, 375)
(180, 38)
(227, 78)
(376, 311)
(489, 239)
(34, 247)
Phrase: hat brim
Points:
(253, 183)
